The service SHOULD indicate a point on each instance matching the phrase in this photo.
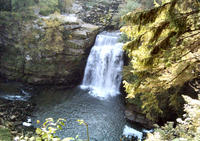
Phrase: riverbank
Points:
(15, 108)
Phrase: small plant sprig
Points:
(47, 131)
(49, 128)
(82, 122)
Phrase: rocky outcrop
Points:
(98, 12)
(134, 115)
(45, 50)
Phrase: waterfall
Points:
(102, 75)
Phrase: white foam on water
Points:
(128, 131)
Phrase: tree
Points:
(187, 129)
(5, 5)
(164, 54)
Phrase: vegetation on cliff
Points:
(43, 7)
(164, 55)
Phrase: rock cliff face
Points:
(45, 50)
(42, 49)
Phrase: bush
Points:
(20, 5)
(48, 7)
(65, 5)
(47, 132)
(187, 129)
(124, 38)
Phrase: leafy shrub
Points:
(65, 5)
(19, 5)
(47, 132)
(124, 38)
(48, 7)
(5, 5)
(187, 129)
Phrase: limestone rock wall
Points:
(45, 50)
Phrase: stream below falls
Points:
(97, 100)
(105, 118)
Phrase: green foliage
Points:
(48, 7)
(123, 38)
(82, 122)
(49, 128)
(44, 7)
(5, 5)
(150, 106)
(34, 41)
(160, 2)
(129, 6)
(163, 51)
(53, 37)
(65, 5)
(20, 5)
(187, 129)
(47, 131)
(5, 134)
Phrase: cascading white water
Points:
(104, 65)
